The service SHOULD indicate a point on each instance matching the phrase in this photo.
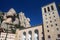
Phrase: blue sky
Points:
(31, 8)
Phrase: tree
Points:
(1, 17)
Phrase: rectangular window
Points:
(52, 7)
(45, 10)
(48, 8)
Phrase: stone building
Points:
(51, 22)
(10, 36)
(32, 33)
(20, 25)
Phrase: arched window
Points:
(36, 36)
(24, 36)
(30, 35)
